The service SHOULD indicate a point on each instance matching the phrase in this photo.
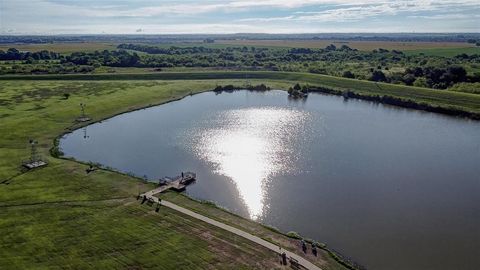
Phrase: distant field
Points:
(360, 45)
(96, 46)
(61, 47)
(446, 52)
(428, 48)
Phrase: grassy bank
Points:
(271, 234)
(446, 100)
(59, 217)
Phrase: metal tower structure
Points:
(82, 106)
(34, 153)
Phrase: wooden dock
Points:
(178, 183)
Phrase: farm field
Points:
(445, 52)
(61, 217)
(447, 49)
(61, 47)
(70, 47)
(360, 45)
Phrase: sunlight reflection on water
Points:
(250, 146)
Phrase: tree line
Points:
(378, 65)
(14, 54)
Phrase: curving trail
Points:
(275, 248)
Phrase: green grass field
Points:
(58, 217)
(438, 98)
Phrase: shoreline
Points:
(56, 152)
(337, 256)
(438, 101)
(399, 102)
(340, 258)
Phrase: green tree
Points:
(348, 74)
(29, 60)
(378, 76)
(331, 47)
(420, 82)
(408, 79)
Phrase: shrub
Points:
(420, 82)
(348, 74)
(378, 76)
(473, 88)
(294, 235)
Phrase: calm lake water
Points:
(389, 187)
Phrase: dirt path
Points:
(305, 263)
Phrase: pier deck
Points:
(178, 183)
(298, 260)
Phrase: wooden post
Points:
(284, 258)
(158, 206)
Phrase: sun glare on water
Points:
(250, 146)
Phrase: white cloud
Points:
(188, 16)
(362, 11)
(453, 16)
(197, 7)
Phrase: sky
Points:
(236, 16)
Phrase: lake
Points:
(389, 187)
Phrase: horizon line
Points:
(213, 34)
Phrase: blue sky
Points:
(236, 16)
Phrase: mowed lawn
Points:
(60, 217)
(117, 234)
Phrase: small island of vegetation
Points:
(297, 91)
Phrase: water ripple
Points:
(250, 146)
